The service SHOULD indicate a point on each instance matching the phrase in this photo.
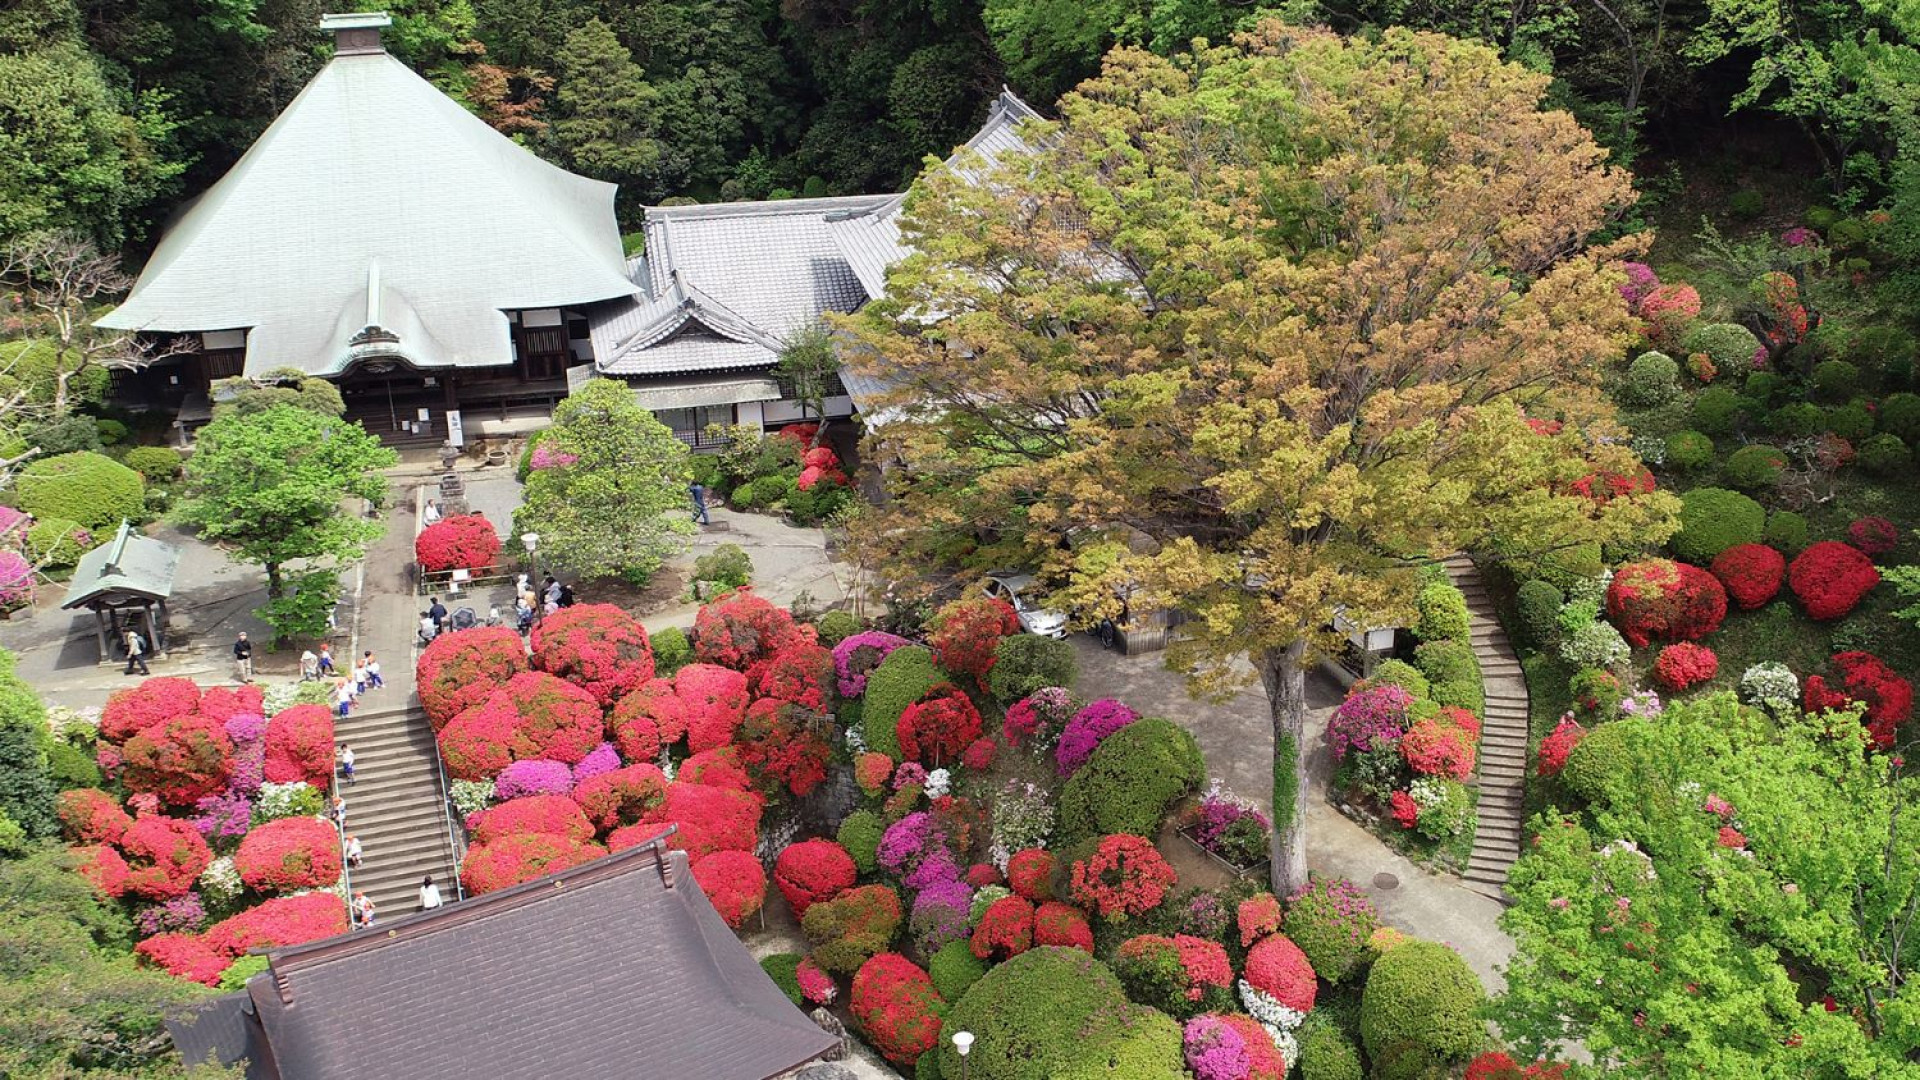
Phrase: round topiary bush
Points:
(954, 969)
(1330, 920)
(460, 542)
(1835, 380)
(671, 651)
(1131, 781)
(1900, 416)
(1713, 520)
(848, 929)
(896, 1007)
(1539, 604)
(299, 746)
(1729, 345)
(903, 678)
(1689, 451)
(155, 464)
(1751, 573)
(1798, 420)
(1443, 614)
(1885, 455)
(511, 860)
(1830, 578)
(289, 854)
(58, 543)
(1717, 410)
(1787, 531)
(1599, 762)
(1755, 468)
(598, 647)
(1420, 1011)
(734, 882)
(1652, 379)
(1665, 600)
(811, 872)
(460, 670)
(1024, 663)
(1326, 1053)
(1046, 1013)
(860, 835)
(1852, 421)
(92, 489)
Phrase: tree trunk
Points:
(275, 585)
(1285, 680)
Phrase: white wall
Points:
(789, 412)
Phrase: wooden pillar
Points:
(450, 381)
(100, 632)
(153, 629)
(160, 642)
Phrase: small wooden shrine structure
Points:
(125, 583)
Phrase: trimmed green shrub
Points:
(1764, 387)
(902, 678)
(1326, 1053)
(1885, 455)
(1852, 421)
(1402, 674)
(1420, 1012)
(1746, 203)
(155, 464)
(1023, 663)
(1887, 349)
(67, 435)
(954, 970)
(783, 969)
(761, 492)
(1713, 520)
(1900, 416)
(57, 544)
(836, 626)
(89, 488)
(1821, 217)
(1131, 781)
(728, 565)
(72, 767)
(1786, 531)
(1716, 411)
(1652, 379)
(1835, 380)
(1755, 468)
(860, 834)
(1539, 609)
(1452, 674)
(1049, 1012)
(1443, 613)
(1601, 762)
(1847, 233)
(817, 503)
(1729, 345)
(112, 432)
(1689, 451)
(1331, 921)
(1798, 420)
(671, 650)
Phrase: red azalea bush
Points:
(936, 729)
(281, 921)
(1660, 598)
(479, 742)
(1256, 917)
(1203, 963)
(1030, 874)
(91, 816)
(710, 819)
(621, 797)
(1055, 923)
(535, 715)
(714, 701)
(1751, 573)
(1498, 1065)
(801, 674)
(1873, 535)
(813, 871)
(1434, 748)
(1556, 746)
(1404, 809)
(648, 718)
(462, 669)
(980, 753)
(734, 882)
(1604, 487)
(1669, 310)
(1830, 578)
(982, 874)
(1455, 716)
(897, 1008)
(1276, 966)
(184, 956)
(1686, 664)
(131, 711)
(460, 542)
(1863, 679)
(785, 746)
(1123, 876)
(597, 647)
(1005, 929)
(555, 815)
(299, 746)
(719, 767)
(288, 854)
(163, 857)
(965, 632)
(741, 630)
(1264, 1059)
(872, 771)
(182, 759)
(223, 703)
(513, 859)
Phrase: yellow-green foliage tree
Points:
(1280, 310)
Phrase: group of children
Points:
(364, 675)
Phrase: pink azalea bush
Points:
(1087, 730)
(1374, 717)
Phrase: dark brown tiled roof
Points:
(618, 968)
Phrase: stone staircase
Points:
(1503, 738)
(396, 808)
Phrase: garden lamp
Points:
(963, 1042)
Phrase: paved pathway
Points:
(1503, 738)
(1237, 739)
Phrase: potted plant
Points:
(1229, 830)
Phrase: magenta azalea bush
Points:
(1215, 1051)
(225, 816)
(1087, 730)
(1373, 717)
(16, 579)
(857, 655)
(601, 759)
(181, 915)
(534, 776)
(1040, 717)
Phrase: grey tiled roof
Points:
(376, 199)
(605, 970)
(128, 563)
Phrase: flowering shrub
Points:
(1256, 917)
(1030, 874)
(647, 719)
(965, 631)
(1370, 718)
(813, 871)
(1278, 968)
(131, 711)
(299, 746)
(856, 657)
(710, 819)
(872, 771)
(897, 1008)
(1404, 809)
(292, 853)
(1863, 679)
(1040, 716)
(719, 767)
(184, 956)
(510, 860)
(553, 718)
(937, 728)
(621, 797)
(1231, 828)
(1873, 535)
(459, 670)
(1055, 923)
(742, 630)
(713, 700)
(1686, 664)
(479, 742)
(1087, 730)
(555, 815)
(1330, 920)
(848, 929)
(1751, 573)
(278, 801)
(600, 760)
(222, 817)
(1005, 930)
(1124, 876)
(229, 703)
(460, 542)
(1771, 686)
(784, 746)
(182, 759)
(1498, 1065)
(816, 986)
(163, 857)
(281, 921)
(1668, 311)
(1179, 975)
(1433, 748)
(546, 456)
(533, 776)
(940, 916)
(91, 816)
(734, 882)
(1221, 1047)
(1604, 487)
(1830, 578)
(597, 647)
(1558, 744)
(1660, 598)
(1641, 280)
(799, 675)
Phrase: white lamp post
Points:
(963, 1042)
(532, 542)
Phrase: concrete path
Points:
(1237, 739)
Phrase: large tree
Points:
(608, 495)
(1733, 896)
(1283, 311)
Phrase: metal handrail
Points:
(340, 830)
(446, 810)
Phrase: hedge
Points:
(955, 969)
(1713, 520)
(901, 679)
(1443, 613)
(1045, 1014)
(1131, 781)
(1453, 674)
(1024, 663)
(1404, 675)
(89, 488)
(1539, 606)
(1420, 1011)
(155, 464)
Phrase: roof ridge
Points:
(755, 207)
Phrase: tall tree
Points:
(604, 112)
(612, 495)
(1283, 310)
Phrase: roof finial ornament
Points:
(356, 33)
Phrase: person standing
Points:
(346, 764)
(362, 910)
(354, 853)
(373, 671)
(136, 652)
(698, 491)
(552, 595)
(326, 659)
(309, 666)
(243, 657)
(437, 611)
(429, 894)
(343, 697)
